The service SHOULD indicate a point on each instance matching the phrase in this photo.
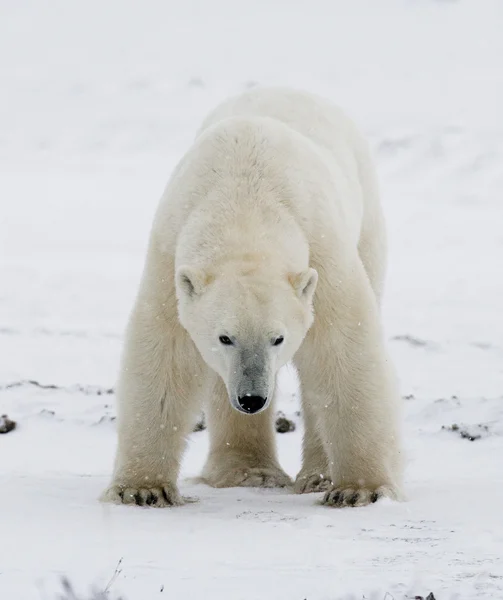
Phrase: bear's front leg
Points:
(242, 447)
(158, 398)
(348, 383)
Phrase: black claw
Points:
(374, 498)
(337, 498)
(138, 499)
(121, 495)
(152, 499)
(166, 497)
(353, 499)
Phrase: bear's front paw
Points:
(264, 477)
(341, 496)
(314, 482)
(160, 496)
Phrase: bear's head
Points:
(246, 325)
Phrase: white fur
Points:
(272, 213)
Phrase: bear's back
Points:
(345, 149)
(312, 116)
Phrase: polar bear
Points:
(268, 246)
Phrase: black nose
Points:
(251, 404)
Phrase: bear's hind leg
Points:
(314, 475)
(242, 447)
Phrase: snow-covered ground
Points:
(98, 100)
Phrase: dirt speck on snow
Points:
(468, 432)
(6, 424)
(283, 424)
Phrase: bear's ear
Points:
(191, 281)
(304, 283)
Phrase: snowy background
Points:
(98, 100)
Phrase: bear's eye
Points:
(225, 340)
(278, 341)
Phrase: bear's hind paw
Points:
(315, 482)
(263, 477)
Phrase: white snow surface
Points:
(98, 101)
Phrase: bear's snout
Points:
(251, 404)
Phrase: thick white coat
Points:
(273, 214)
